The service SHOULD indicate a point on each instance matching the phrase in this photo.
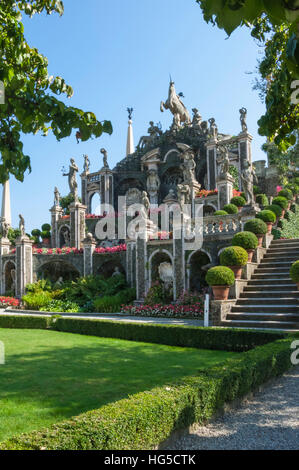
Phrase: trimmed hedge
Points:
(274, 208)
(266, 216)
(238, 201)
(262, 199)
(280, 201)
(246, 240)
(24, 321)
(231, 209)
(148, 418)
(234, 256)
(256, 226)
(170, 335)
(220, 276)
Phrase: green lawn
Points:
(50, 376)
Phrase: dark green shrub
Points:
(220, 276)
(220, 213)
(246, 240)
(112, 304)
(262, 199)
(280, 201)
(256, 190)
(46, 228)
(276, 234)
(267, 216)
(146, 419)
(45, 235)
(62, 306)
(274, 208)
(256, 226)
(230, 209)
(238, 201)
(286, 193)
(234, 256)
(24, 321)
(36, 232)
(294, 272)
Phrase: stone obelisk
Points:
(130, 138)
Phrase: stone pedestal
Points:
(4, 246)
(219, 309)
(56, 214)
(84, 193)
(77, 221)
(23, 264)
(179, 282)
(89, 245)
(107, 191)
(244, 145)
(131, 263)
(225, 190)
(141, 268)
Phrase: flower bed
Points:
(111, 249)
(8, 302)
(206, 193)
(57, 251)
(169, 311)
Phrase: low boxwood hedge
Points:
(146, 419)
(25, 321)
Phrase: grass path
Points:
(49, 376)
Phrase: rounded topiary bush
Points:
(230, 209)
(286, 193)
(36, 232)
(220, 276)
(275, 208)
(238, 201)
(46, 227)
(280, 201)
(45, 234)
(256, 226)
(246, 240)
(234, 256)
(220, 213)
(262, 199)
(294, 272)
(267, 216)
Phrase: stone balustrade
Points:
(222, 225)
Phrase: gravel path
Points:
(269, 421)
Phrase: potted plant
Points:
(234, 257)
(274, 208)
(288, 195)
(238, 201)
(268, 217)
(258, 227)
(294, 272)
(262, 199)
(246, 240)
(220, 278)
(282, 202)
(220, 213)
(231, 209)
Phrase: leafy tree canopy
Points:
(31, 103)
(275, 24)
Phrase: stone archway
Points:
(156, 259)
(64, 236)
(53, 270)
(109, 267)
(196, 262)
(95, 203)
(208, 210)
(9, 276)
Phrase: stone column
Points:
(56, 214)
(244, 145)
(141, 271)
(89, 244)
(84, 197)
(77, 223)
(179, 281)
(24, 262)
(130, 262)
(4, 250)
(225, 190)
(211, 163)
(107, 189)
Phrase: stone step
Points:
(269, 294)
(269, 263)
(259, 324)
(283, 317)
(287, 241)
(271, 276)
(271, 282)
(286, 301)
(261, 288)
(261, 308)
(278, 269)
(282, 254)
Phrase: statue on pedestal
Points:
(184, 192)
(243, 118)
(72, 179)
(105, 158)
(4, 228)
(213, 131)
(146, 205)
(188, 167)
(224, 162)
(57, 197)
(86, 165)
(197, 119)
(177, 107)
(154, 131)
(153, 181)
(247, 183)
(22, 225)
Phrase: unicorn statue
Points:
(176, 106)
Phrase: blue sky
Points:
(120, 53)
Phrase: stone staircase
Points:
(271, 298)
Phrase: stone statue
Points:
(247, 182)
(224, 162)
(13, 278)
(213, 132)
(56, 197)
(204, 128)
(188, 166)
(166, 274)
(66, 237)
(177, 108)
(105, 158)
(116, 272)
(86, 165)
(243, 117)
(154, 131)
(22, 225)
(170, 196)
(73, 179)
(146, 205)
(4, 228)
(197, 120)
(183, 194)
(130, 113)
(153, 181)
